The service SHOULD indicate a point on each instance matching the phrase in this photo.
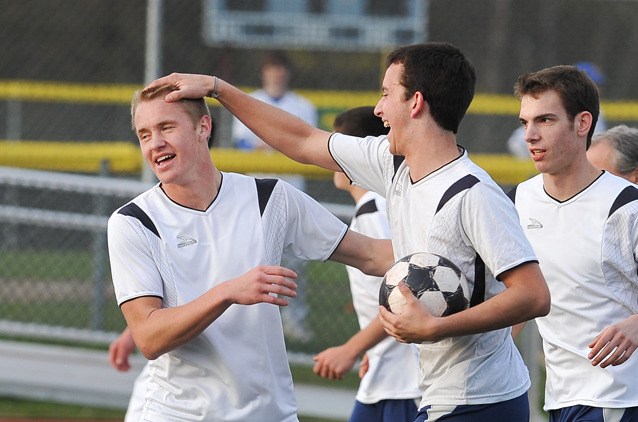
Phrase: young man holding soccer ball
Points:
(198, 306)
(439, 201)
(583, 225)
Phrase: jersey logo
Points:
(534, 224)
(185, 241)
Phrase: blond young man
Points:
(195, 266)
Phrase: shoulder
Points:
(138, 208)
(624, 192)
(525, 188)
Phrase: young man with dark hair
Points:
(583, 225)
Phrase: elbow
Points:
(151, 349)
(547, 304)
(542, 304)
(376, 266)
(150, 352)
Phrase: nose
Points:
(531, 133)
(378, 108)
(157, 140)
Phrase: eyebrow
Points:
(539, 117)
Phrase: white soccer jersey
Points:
(237, 369)
(587, 248)
(460, 213)
(290, 102)
(393, 370)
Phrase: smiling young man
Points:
(438, 201)
(585, 233)
(197, 305)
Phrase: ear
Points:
(418, 104)
(205, 127)
(583, 122)
(633, 176)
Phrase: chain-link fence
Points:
(55, 276)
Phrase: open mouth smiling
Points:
(164, 158)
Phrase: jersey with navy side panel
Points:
(237, 369)
(587, 248)
(460, 213)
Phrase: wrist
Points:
(213, 93)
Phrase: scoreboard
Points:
(347, 25)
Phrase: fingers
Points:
(282, 286)
(324, 370)
(388, 319)
(266, 284)
(610, 347)
(364, 366)
(119, 359)
(161, 82)
(405, 291)
(186, 86)
(331, 364)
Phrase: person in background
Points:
(516, 142)
(276, 72)
(439, 201)
(616, 151)
(583, 225)
(382, 395)
(195, 264)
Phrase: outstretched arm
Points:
(371, 256)
(279, 129)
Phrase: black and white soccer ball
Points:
(433, 279)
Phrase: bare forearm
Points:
(165, 329)
(371, 256)
(283, 131)
(366, 338)
(278, 128)
(525, 298)
(158, 330)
